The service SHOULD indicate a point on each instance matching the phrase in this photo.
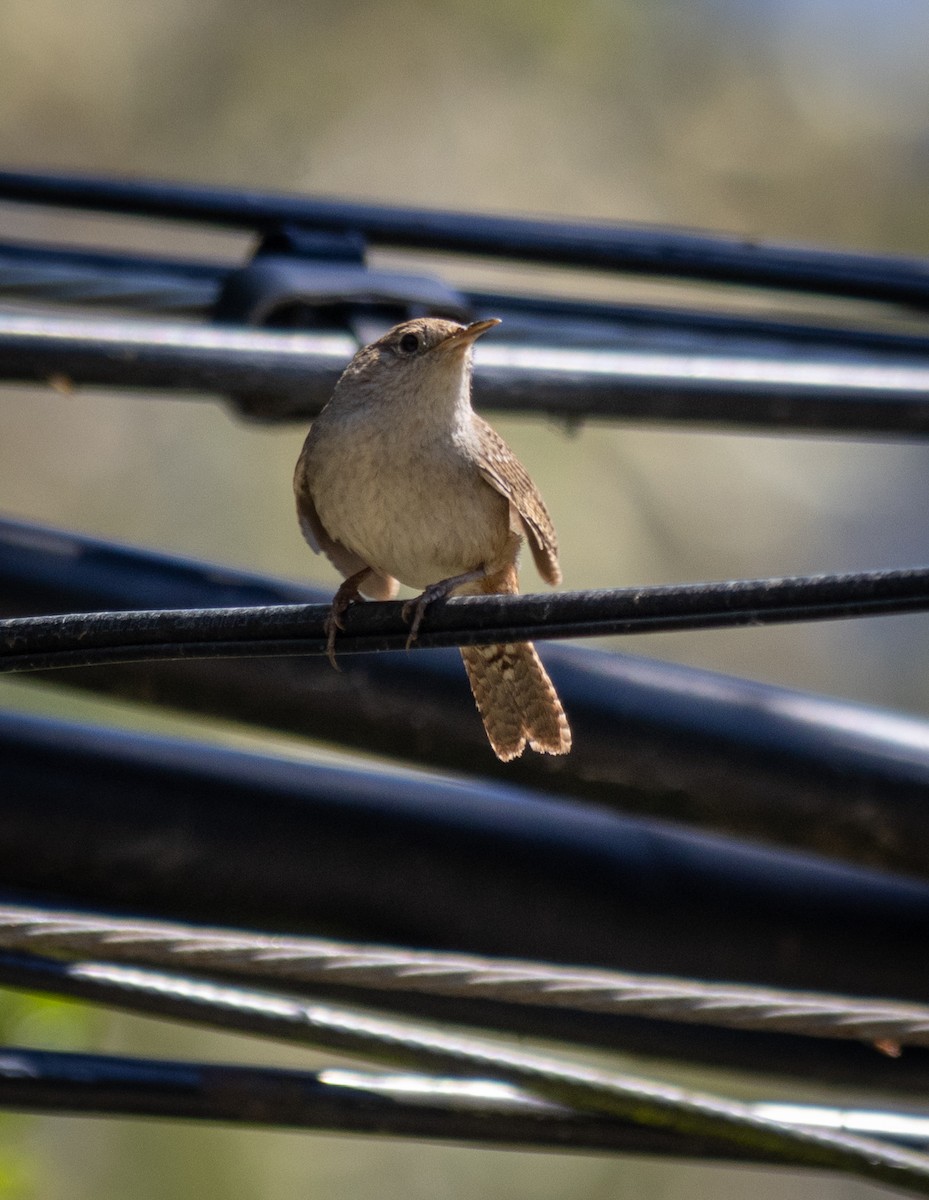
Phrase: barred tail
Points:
(516, 699)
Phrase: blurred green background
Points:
(805, 121)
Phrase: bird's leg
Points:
(414, 610)
(344, 598)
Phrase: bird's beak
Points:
(462, 338)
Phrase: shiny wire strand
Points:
(306, 961)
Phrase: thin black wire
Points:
(417, 1047)
(41, 643)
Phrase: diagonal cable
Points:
(306, 961)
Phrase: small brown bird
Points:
(400, 480)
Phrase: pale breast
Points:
(420, 513)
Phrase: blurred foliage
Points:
(803, 121)
(28, 1020)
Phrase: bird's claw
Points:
(331, 627)
(414, 610)
(345, 597)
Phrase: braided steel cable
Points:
(733, 1126)
(306, 961)
(87, 639)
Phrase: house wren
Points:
(400, 480)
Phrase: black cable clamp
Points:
(301, 279)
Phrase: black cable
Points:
(345, 1100)
(41, 643)
(599, 246)
(276, 376)
(334, 1100)
(62, 275)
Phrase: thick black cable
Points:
(600, 246)
(287, 376)
(41, 643)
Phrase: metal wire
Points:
(308, 961)
(559, 1081)
(40, 643)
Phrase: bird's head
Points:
(426, 360)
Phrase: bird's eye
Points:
(409, 343)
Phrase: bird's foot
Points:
(347, 595)
(331, 627)
(414, 610)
